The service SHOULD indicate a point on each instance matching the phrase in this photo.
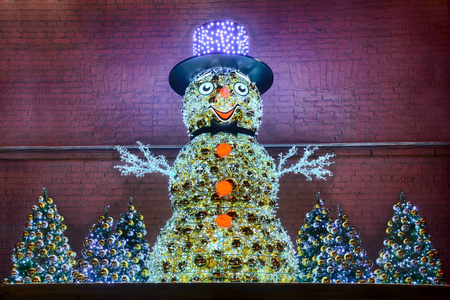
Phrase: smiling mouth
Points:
(224, 116)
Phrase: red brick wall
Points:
(91, 73)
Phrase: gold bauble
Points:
(31, 246)
(145, 273)
(36, 279)
(387, 266)
(348, 256)
(400, 253)
(94, 262)
(104, 272)
(326, 280)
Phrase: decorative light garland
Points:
(220, 37)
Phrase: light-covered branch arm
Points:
(309, 168)
(140, 167)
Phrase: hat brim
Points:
(183, 73)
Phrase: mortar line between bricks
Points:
(368, 145)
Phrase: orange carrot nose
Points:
(224, 92)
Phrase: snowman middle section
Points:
(223, 175)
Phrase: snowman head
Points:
(222, 95)
(221, 85)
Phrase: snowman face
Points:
(222, 94)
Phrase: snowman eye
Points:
(206, 88)
(240, 88)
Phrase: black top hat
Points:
(220, 43)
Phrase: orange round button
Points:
(224, 188)
(223, 149)
(223, 221)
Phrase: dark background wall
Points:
(94, 73)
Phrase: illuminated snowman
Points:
(223, 184)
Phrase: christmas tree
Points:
(43, 255)
(104, 256)
(130, 229)
(407, 255)
(344, 259)
(310, 241)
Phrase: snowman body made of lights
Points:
(223, 184)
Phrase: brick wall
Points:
(95, 73)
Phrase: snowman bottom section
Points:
(192, 250)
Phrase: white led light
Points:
(223, 37)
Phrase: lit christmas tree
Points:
(344, 259)
(130, 229)
(310, 240)
(408, 255)
(43, 255)
(104, 256)
(223, 184)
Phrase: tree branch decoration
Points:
(309, 168)
(140, 167)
